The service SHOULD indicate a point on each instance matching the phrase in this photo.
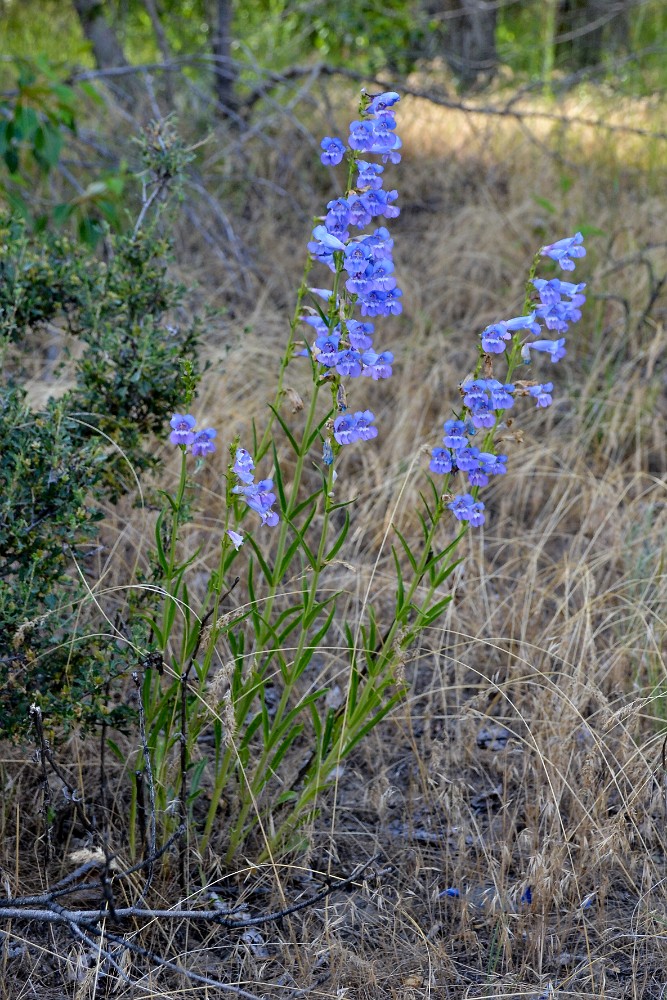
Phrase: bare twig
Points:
(36, 716)
(84, 924)
(98, 947)
(52, 912)
(507, 110)
(159, 188)
(152, 824)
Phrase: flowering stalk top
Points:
(184, 434)
(362, 264)
(554, 304)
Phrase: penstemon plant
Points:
(241, 673)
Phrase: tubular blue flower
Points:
(523, 323)
(380, 243)
(334, 151)
(259, 498)
(359, 213)
(483, 394)
(493, 465)
(345, 429)
(455, 435)
(391, 211)
(467, 459)
(360, 334)
(501, 395)
(550, 292)
(477, 477)
(237, 540)
(357, 255)
(369, 175)
(326, 350)
(542, 393)
(393, 156)
(441, 461)
(325, 347)
(393, 305)
(377, 366)
(327, 453)
(554, 348)
(559, 316)
(243, 467)
(322, 235)
(383, 134)
(474, 392)
(359, 284)
(361, 135)
(382, 276)
(203, 442)
(374, 202)
(465, 508)
(483, 417)
(382, 102)
(494, 338)
(338, 214)
(373, 302)
(182, 432)
(564, 252)
(323, 246)
(364, 420)
(322, 293)
(349, 363)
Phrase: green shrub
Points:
(62, 465)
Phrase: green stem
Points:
(265, 442)
(175, 524)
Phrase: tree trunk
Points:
(107, 49)
(221, 46)
(469, 45)
(583, 26)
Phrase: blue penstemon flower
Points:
(485, 398)
(566, 251)
(184, 433)
(258, 496)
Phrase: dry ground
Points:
(528, 754)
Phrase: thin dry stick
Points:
(36, 716)
(493, 110)
(85, 923)
(152, 828)
(183, 791)
(52, 912)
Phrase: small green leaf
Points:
(90, 91)
(336, 547)
(545, 204)
(288, 434)
(406, 549)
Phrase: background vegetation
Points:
(524, 770)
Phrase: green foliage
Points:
(38, 121)
(528, 39)
(63, 465)
(34, 118)
(47, 27)
(368, 35)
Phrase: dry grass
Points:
(528, 751)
